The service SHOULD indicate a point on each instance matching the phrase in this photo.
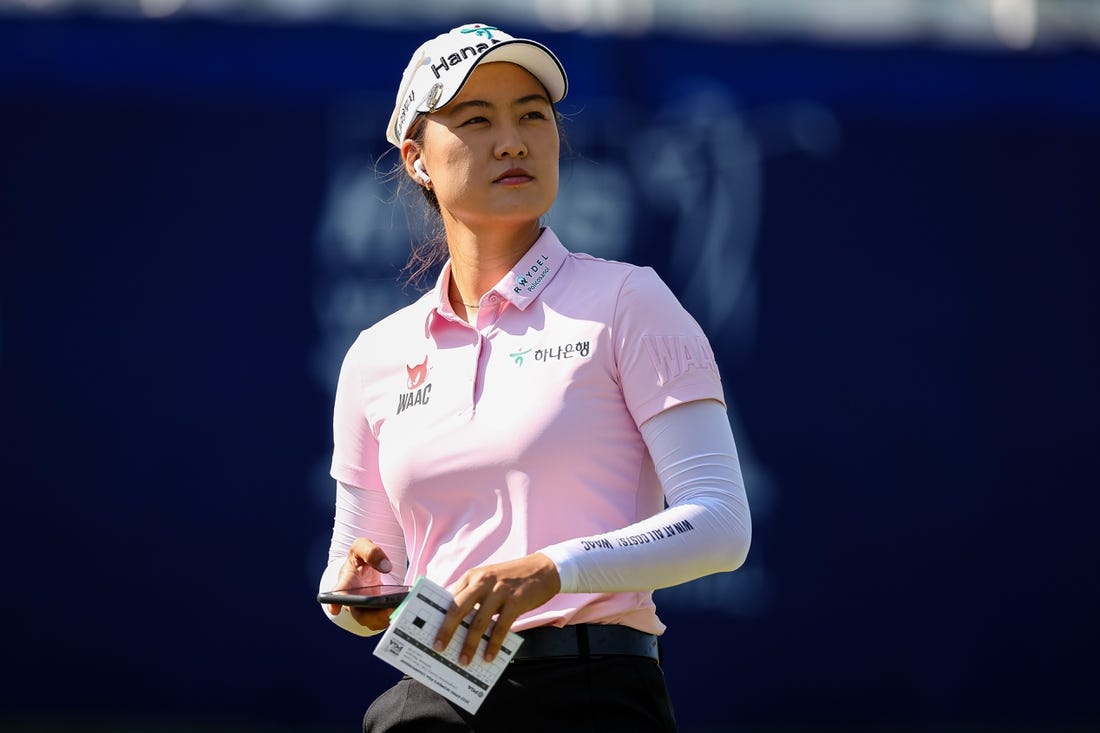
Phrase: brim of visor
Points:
(531, 55)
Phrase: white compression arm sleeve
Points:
(705, 529)
(362, 513)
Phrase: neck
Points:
(479, 259)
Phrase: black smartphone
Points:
(366, 596)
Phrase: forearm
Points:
(362, 513)
(705, 529)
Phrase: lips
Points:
(514, 176)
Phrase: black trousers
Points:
(610, 694)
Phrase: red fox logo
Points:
(417, 374)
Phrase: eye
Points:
(535, 115)
(474, 121)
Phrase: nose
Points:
(510, 143)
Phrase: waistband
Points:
(581, 641)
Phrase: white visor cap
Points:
(441, 66)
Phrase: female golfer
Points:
(544, 432)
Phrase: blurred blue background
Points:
(889, 228)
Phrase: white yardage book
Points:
(407, 645)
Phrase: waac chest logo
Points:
(419, 392)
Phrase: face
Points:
(492, 152)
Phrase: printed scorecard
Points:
(407, 645)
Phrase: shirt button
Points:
(494, 298)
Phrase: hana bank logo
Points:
(459, 56)
(485, 31)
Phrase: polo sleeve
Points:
(664, 359)
(355, 447)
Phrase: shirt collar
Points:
(520, 287)
(534, 271)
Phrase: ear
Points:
(410, 154)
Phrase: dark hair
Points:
(429, 251)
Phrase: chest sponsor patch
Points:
(420, 390)
(578, 350)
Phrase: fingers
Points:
(502, 591)
(375, 619)
(479, 626)
(487, 601)
(451, 622)
(492, 619)
(499, 633)
(364, 554)
(365, 565)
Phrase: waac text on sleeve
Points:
(675, 355)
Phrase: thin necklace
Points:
(459, 300)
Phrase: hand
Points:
(504, 590)
(366, 564)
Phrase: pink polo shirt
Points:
(497, 441)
